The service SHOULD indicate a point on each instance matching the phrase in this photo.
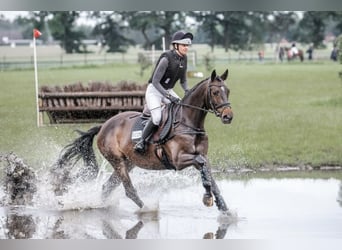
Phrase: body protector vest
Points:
(175, 70)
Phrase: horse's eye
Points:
(216, 93)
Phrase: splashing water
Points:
(80, 212)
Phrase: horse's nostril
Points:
(227, 118)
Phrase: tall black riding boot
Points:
(149, 129)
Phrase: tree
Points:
(157, 24)
(279, 24)
(208, 25)
(144, 22)
(311, 28)
(231, 29)
(62, 25)
(111, 30)
(35, 19)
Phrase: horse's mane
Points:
(199, 84)
(195, 87)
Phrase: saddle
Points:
(161, 135)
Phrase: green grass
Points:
(287, 114)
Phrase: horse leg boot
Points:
(206, 180)
(218, 197)
(149, 129)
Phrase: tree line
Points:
(232, 30)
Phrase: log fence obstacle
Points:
(92, 104)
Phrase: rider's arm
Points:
(183, 78)
(183, 82)
(158, 75)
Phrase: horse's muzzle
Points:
(227, 115)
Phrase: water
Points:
(262, 208)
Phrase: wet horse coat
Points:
(186, 144)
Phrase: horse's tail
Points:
(81, 147)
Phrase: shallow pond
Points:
(263, 207)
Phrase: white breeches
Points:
(155, 101)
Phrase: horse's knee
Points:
(200, 160)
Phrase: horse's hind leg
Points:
(112, 182)
(121, 170)
(129, 189)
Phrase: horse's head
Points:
(218, 94)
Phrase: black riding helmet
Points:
(181, 37)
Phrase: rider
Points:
(171, 67)
(294, 50)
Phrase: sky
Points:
(11, 15)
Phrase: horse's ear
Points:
(224, 75)
(213, 75)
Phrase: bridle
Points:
(213, 107)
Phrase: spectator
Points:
(281, 53)
(334, 53)
(310, 52)
(261, 55)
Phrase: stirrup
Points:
(140, 147)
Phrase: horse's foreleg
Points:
(220, 203)
(206, 179)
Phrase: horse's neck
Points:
(193, 112)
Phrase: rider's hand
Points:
(174, 99)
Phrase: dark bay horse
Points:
(185, 145)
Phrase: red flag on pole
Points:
(36, 33)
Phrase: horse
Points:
(184, 144)
(291, 57)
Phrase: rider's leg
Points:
(148, 130)
(153, 101)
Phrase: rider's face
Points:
(183, 49)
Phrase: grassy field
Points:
(285, 113)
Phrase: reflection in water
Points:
(110, 233)
(220, 233)
(19, 226)
(339, 198)
(89, 224)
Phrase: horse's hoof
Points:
(208, 200)
(208, 236)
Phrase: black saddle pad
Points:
(138, 128)
(143, 119)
